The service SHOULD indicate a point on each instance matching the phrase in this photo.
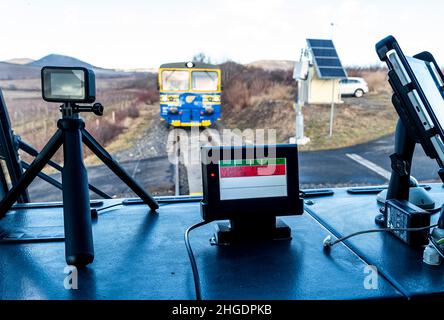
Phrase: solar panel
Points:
(320, 43)
(324, 52)
(325, 62)
(325, 58)
(332, 72)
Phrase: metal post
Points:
(299, 115)
(332, 109)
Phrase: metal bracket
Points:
(399, 165)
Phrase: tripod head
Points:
(68, 109)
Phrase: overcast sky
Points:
(146, 33)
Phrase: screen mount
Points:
(241, 230)
(417, 83)
(401, 163)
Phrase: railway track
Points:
(183, 147)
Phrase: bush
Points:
(133, 112)
(148, 96)
(105, 131)
(242, 83)
(375, 76)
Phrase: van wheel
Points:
(359, 93)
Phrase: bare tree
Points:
(201, 57)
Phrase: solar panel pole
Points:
(299, 116)
(300, 74)
(332, 109)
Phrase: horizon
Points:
(151, 33)
(156, 67)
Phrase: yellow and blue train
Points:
(190, 93)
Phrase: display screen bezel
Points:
(216, 209)
(89, 85)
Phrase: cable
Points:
(434, 211)
(436, 246)
(123, 203)
(109, 207)
(192, 259)
(328, 243)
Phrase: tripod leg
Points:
(106, 158)
(45, 177)
(36, 166)
(31, 151)
(79, 248)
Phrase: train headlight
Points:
(211, 98)
(169, 98)
(173, 110)
(209, 110)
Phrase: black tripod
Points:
(71, 133)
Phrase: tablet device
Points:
(419, 100)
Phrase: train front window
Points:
(175, 80)
(204, 80)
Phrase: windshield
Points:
(346, 145)
(174, 80)
(204, 80)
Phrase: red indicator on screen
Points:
(252, 171)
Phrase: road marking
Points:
(370, 165)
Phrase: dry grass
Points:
(376, 79)
(357, 121)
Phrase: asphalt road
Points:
(154, 174)
(365, 164)
(338, 167)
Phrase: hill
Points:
(19, 61)
(60, 61)
(10, 71)
(16, 69)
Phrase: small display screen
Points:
(252, 178)
(65, 84)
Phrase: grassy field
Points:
(356, 121)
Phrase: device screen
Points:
(430, 84)
(252, 178)
(69, 84)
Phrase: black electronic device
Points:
(250, 186)
(68, 84)
(418, 98)
(417, 83)
(402, 214)
(71, 133)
